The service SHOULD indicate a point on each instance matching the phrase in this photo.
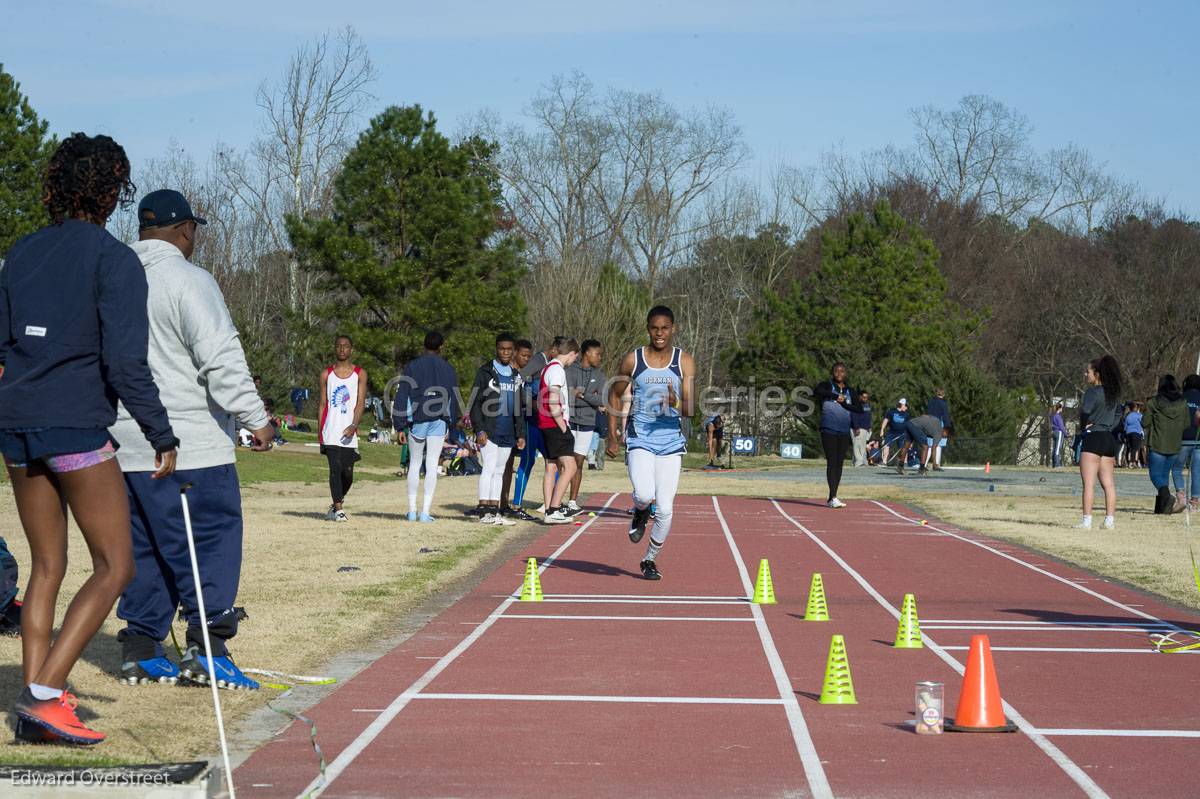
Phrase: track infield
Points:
(616, 686)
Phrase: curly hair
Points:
(86, 178)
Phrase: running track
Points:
(615, 686)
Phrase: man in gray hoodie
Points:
(198, 365)
(585, 382)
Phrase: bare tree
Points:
(310, 117)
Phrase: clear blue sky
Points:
(1117, 78)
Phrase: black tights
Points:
(836, 445)
(341, 471)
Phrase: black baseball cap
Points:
(165, 207)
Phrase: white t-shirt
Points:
(554, 378)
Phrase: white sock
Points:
(43, 692)
(653, 550)
(1087, 521)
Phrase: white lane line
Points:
(1131, 623)
(1096, 649)
(814, 772)
(625, 618)
(1006, 628)
(646, 601)
(1026, 564)
(1069, 766)
(642, 596)
(364, 739)
(1127, 733)
(669, 700)
(661, 700)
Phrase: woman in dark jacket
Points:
(838, 401)
(73, 338)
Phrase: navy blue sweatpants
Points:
(163, 580)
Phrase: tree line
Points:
(965, 258)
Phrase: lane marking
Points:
(642, 596)
(925, 626)
(664, 700)
(818, 783)
(646, 601)
(1146, 624)
(364, 739)
(1036, 568)
(625, 618)
(1078, 775)
(1127, 733)
(1102, 650)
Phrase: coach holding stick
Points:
(206, 387)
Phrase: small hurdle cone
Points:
(531, 590)
(764, 592)
(838, 688)
(979, 706)
(987, 467)
(908, 634)
(817, 609)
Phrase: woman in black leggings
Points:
(838, 401)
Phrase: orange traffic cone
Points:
(987, 467)
(979, 706)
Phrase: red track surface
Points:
(698, 640)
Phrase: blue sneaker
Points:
(412, 516)
(194, 667)
(149, 671)
(425, 517)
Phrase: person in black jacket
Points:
(838, 402)
(499, 425)
(73, 340)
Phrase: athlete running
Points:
(343, 397)
(652, 393)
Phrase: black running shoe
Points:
(518, 513)
(637, 527)
(478, 511)
(650, 571)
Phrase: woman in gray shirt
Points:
(1099, 414)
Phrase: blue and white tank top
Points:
(653, 424)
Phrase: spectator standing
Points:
(425, 408)
(860, 428)
(585, 384)
(73, 333)
(1058, 435)
(499, 425)
(198, 364)
(1189, 455)
(1167, 420)
(838, 401)
(894, 430)
(1135, 434)
(938, 408)
(1099, 415)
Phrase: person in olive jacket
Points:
(1167, 418)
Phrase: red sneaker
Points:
(56, 716)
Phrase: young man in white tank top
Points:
(343, 396)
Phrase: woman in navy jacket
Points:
(73, 338)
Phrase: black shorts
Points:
(558, 443)
(1134, 440)
(1100, 442)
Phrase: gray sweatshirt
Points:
(585, 408)
(198, 365)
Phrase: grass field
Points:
(303, 611)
